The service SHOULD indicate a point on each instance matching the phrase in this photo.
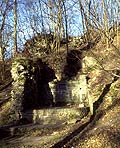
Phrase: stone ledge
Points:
(55, 115)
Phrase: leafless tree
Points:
(5, 31)
(15, 27)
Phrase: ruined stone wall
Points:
(72, 87)
(73, 91)
(34, 84)
(22, 69)
(30, 86)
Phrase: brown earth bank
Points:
(102, 132)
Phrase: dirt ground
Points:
(102, 132)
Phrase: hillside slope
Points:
(100, 130)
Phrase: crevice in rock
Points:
(104, 92)
(73, 65)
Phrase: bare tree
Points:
(105, 19)
(66, 26)
(15, 27)
(5, 32)
(3, 13)
(118, 19)
(85, 19)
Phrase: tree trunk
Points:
(15, 27)
(105, 24)
(66, 28)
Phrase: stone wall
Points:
(19, 73)
(57, 115)
(35, 84)
(73, 91)
(72, 87)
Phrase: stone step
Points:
(40, 120)
(55, 115)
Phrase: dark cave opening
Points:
(37, 92)
(73, 65)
